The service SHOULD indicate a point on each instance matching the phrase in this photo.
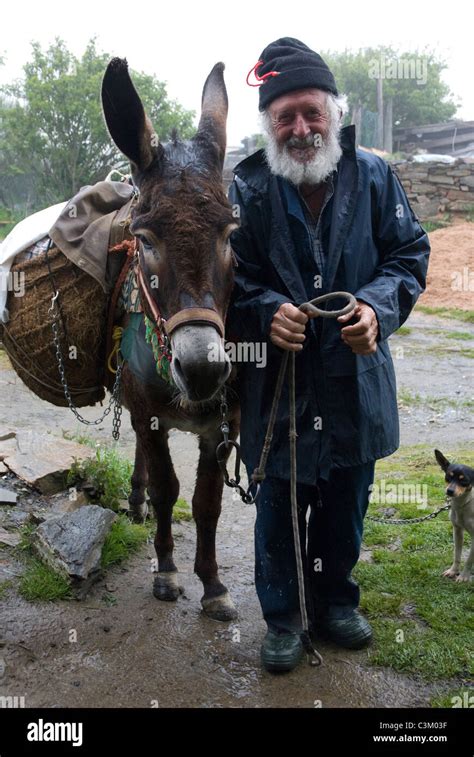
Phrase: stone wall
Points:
(434, 188)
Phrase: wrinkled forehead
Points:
(301, 98)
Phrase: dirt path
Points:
(450, 281)
(132, 650)
(435, 383)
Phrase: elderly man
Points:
(317, 215)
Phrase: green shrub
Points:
(107, 472)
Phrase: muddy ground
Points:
(132, 651)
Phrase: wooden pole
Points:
(388, 126)
(379, 144)
(357, 121)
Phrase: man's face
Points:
(301, 132)
(297, 118)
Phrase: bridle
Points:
(167, 326)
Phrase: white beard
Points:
(314, 171)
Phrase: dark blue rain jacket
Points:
(376, 249)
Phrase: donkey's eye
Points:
(227, 235)
(145, 243)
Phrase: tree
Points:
(411, 81)
(52, 127)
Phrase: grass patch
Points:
(42, 582)
(423, 622)
(181, 511)
(462, 335)
(460, 697)
(436, 223)
(123, 539)
(80, 438)
(107, 472)
(460, 315)
(407, 398)
(39, 581)
(443, 350)
(403, 331)
(4, 587)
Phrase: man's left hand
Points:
(362, 336)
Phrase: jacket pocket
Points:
(343, 362)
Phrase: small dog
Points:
(460, 479)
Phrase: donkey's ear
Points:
(214, 107)
(126, 120)
(442, 461)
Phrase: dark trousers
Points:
(331, 538)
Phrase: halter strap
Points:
(186, 315)
(194, 315)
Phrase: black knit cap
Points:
(298, 67)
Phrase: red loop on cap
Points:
(260, 79)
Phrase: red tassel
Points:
(260, 79)
(128, 246)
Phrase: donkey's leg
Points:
(163, 488)
(207, 500)
(139, 480)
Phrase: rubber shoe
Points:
(282, 652)
(352, 632)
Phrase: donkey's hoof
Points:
(219, 608)
(166, 587)
(138, 512)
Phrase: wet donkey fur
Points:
(183, 222)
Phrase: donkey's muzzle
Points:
(200, 365)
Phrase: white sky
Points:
(179, 42)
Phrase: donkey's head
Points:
(183, 222)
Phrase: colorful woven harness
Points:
(155, 336)
(129, 299)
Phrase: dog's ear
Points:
(442, 462)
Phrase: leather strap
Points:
(187, 315)
(112, 305)
(153, 307)
(194, 315)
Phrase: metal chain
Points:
(115, 396)
(404, 521)
(245, 495)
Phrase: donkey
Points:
(182, 222)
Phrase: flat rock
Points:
(9, 538)
(3, 468)
(57, 504)
(72, 543)
(7, 497)
(15, 518)
(10, 568)
(42, 460)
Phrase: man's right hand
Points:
(287, 328)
